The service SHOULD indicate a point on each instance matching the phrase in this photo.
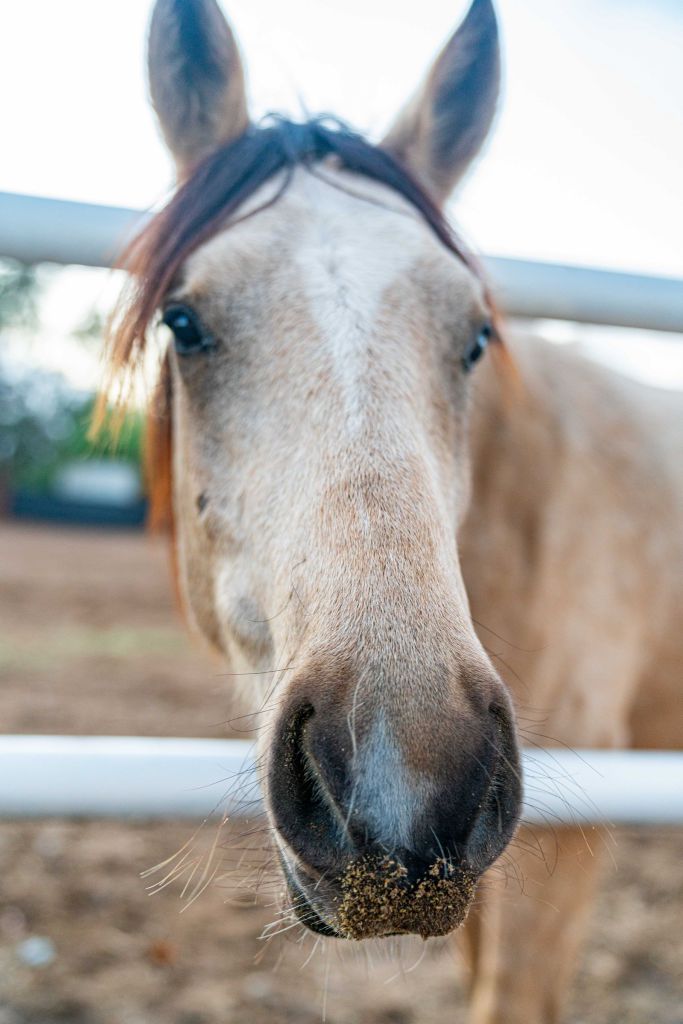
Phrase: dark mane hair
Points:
(205, 202)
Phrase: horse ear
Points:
(196, 79)
(444, 125)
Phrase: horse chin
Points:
(375, 897)
(303, 909)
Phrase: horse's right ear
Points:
(196, 79)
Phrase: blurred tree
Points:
(44, 421)
(44, 424)
(19, 293)
(91, 329)
(38, 417)
(18, 305)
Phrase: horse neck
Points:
(522, 416)
(513, 449)
(499, 424)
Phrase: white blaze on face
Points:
(386, 797)
(353, 251)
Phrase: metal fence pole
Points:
(35, 229)
(149, 777)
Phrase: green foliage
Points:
(44, 423)
(92, 329)
(19, 292)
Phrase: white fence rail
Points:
(149, 778)
(35, 229)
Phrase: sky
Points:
(584, 165)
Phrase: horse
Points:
(404, 528)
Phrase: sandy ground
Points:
(89, 642)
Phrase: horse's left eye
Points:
(477, 348)
(188, 332)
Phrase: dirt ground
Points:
(89, 643)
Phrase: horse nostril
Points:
(307, 813)
(499, 811)
(496, 710)
(296, 762)
(503, 723)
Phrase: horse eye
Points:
(477, 348)
(188, 332)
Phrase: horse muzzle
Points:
(371, 844)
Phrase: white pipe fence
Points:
(35, 229)
(152, 778)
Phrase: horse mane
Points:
(204, 204)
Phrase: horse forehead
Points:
(352, 248)
(339, 236)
